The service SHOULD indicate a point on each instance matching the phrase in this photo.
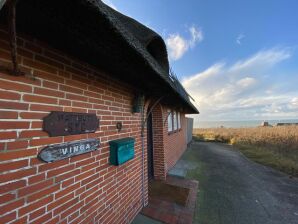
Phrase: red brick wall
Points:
(82, 189)
(159, 162)
(175, 143)
(168, 147)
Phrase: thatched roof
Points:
(97, 34)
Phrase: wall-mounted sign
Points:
(59, 123)
(66, 150)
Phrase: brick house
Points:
(82, 56)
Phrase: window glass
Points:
(179, 120)
(170, 121)
(175, 120)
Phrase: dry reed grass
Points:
(273, 146)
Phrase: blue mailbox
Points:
(121, 150)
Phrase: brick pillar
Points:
(159, 161)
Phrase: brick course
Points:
(167, 147)
(175, 144)
(84, 188)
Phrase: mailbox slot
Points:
(121, 150)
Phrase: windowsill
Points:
(173, 132)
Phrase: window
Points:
(179, 120)
(170, 121)
(175, 120)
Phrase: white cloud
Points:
(239, 38)
(110, 3)
(262, 60)
(246, 82)
(245, 89)
(178, 45)
(196, 36)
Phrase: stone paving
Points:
(182, 167)
(172, 213)
(141, 219)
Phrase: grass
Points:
(272, 146)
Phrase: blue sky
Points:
(237, 58)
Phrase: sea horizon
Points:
(240, 124)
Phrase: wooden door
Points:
(150, 148)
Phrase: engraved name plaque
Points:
(65, 150)
(59, 123)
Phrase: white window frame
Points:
(179, 120)
(175, 121)
(170, 121)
